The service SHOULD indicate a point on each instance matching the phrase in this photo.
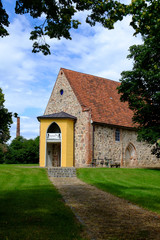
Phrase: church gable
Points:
(62, 98)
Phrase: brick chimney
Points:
(18, 127)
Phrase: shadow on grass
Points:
(36, 213)
(154, 168)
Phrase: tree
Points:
(3, 21)
(59, 17)
(3, 150)
(5, 120)
(141, 88)
(22, 150)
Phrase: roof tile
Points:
(100, 95)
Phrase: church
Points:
(86, 124)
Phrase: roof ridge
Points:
(63, 69)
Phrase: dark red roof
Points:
(101, 96)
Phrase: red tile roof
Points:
(100, 95)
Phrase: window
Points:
(61, 91)
(54, 128)
(117, 135)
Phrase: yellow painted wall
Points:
(67, 141)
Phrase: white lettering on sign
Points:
(54, 135)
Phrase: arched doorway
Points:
(130, 155)
(53, 146)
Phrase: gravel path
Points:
(106, 216)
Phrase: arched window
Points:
(54, 128)
(130, 155)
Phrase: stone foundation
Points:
(62, 172)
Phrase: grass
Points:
(31, 208)
(139, 186)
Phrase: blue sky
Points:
(27, 79)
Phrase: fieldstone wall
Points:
(105, 145)
(68, 103)
(128, 151)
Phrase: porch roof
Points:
(57, 115)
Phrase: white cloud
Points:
(25, 117)
(27, 79)
(97, 50)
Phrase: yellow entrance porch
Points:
(57, 140)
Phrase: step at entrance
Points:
(62, 172)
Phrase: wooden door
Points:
(56, 155)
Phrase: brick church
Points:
(86, 124)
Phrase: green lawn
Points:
(31, 208)
(140, 186)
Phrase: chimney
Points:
(18, 127)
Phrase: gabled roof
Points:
(100, 96)
(57, 115)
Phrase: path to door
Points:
(106, 216)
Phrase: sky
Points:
(27, 79)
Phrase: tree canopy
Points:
(5, 120)
(20, 150)
(140, 87)
(60, 17)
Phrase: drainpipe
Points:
(90, 149)
(121, 136)
(93, 126)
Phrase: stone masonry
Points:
(62, 172)
(106, 146)
(68, 103)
